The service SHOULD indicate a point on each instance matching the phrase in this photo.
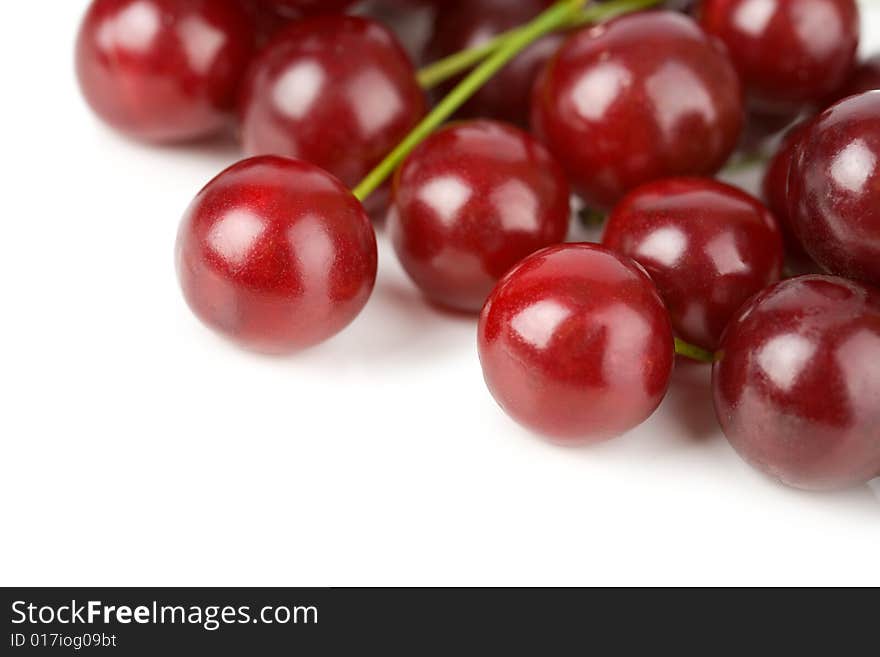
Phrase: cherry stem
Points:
(560, 14)
(693, 352)
(440, 71)
(746, 162)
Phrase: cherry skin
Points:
(575, 343)
(464, 24)
(787, 53)
(834, 188)
(470, 202)
(797, 388)
(276, 254)
(774, 187)
(641, 97)
(337, 91)
(163, 70)
(707, 246)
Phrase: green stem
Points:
(448, 67)
(440, 71)
(745, 162)
(591, 218)
(693, 352)
(557, 15)
(609, 10)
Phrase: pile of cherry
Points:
(632, 115)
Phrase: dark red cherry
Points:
(774, 187)
(575, 343)
(276, 254)
(707, 246)
(337, 91)
(463, 24)
(788, 52)
(834, 188)
(469, 203)
(163, 70)
(642, 97)
(797, 388)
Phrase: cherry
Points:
(469, 203)
(641, 97)
(787, 53)
(575, 343)
(797, 388)
(774, 187)
(276, 254)
(337, 91)
(163, 70)
(834, 188)
(464, 24)
(707, 246)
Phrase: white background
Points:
(140, 449)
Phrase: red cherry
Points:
(575, 343)
(707, 246)
(797, 389)
(276, 254)
(469, 203)
(466, 24)
(788, 53)
(163, 70)
(337, 91)
(642, 97)
(834, 188)
(774, 187)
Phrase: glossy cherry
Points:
(707, 246)
(797, 388)
(642, 97)
(276, 254)
(774, 187)
(163, 70)
(470, 202)
(337, 91)
(575, 343)
(463, 24)
(834, 188)
(788, 53)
